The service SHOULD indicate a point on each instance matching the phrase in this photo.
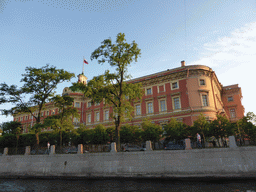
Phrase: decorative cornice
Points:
(164, 78)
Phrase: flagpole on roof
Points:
(83, 66)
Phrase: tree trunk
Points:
(218, 141)
(118, 144)
(60, 139)
(204, 140)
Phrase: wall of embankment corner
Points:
(224, 162)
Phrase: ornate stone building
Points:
(182, 93)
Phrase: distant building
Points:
(182, 93)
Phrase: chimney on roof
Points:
(183, 63)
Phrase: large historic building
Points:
(182, 93)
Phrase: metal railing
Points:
(39, 150)
(16, 151)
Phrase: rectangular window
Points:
(97, 116)
(97, 103)
(205, 100)
(77, 104)
(138, 110)
(149, 92)
(202, 82)
(47, 113)
(26, 117)
(232, 113)
(89, 120)
(106, 115)
(89, 104)
(150, 107)
(230, 98)
(175, 85)
(176, 102)
(21, 119)
(162, 106)
(53, 112)
(42, 114)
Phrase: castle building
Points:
(182, 93)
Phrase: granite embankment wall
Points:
(183, 163)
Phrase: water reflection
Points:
(36, 185)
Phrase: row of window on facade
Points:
(149, 108)
(35, 114)
(174, 86)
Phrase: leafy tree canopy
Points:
(12, 127)
(151, 131)
(130, 134)
(38, 87)
(112, 87)
(175, 130)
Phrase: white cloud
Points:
(233, 58)
(236, 49)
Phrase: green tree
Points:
(38, 88)
(111, 133)
(175, 130)
(63, 120)
(11, 127)
(245, 127)
(99, 135)
(27, 140)
(201, 126)
(151, 132)
(220, 128)
(9, 140)
(112, 87)
(130, 134)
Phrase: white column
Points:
(148, 146)
(27, 151)
(52, 150)
(80, 149)
(5, 151)
(113, 147)
(232, 142)
(188, 144)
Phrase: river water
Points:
(147, 185)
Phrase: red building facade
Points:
(182, 93)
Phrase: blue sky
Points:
(219, 34)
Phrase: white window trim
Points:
(234, 113)
(87, 119)
(150, 87)
(96, 116)
(88, 104)
(173, 105)
(202, 101)
(199, 81)
(178, 86)
(159, 86)
(136, 109)
(105, 115)
(159, 103)
(152, 108)
(78, 104)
